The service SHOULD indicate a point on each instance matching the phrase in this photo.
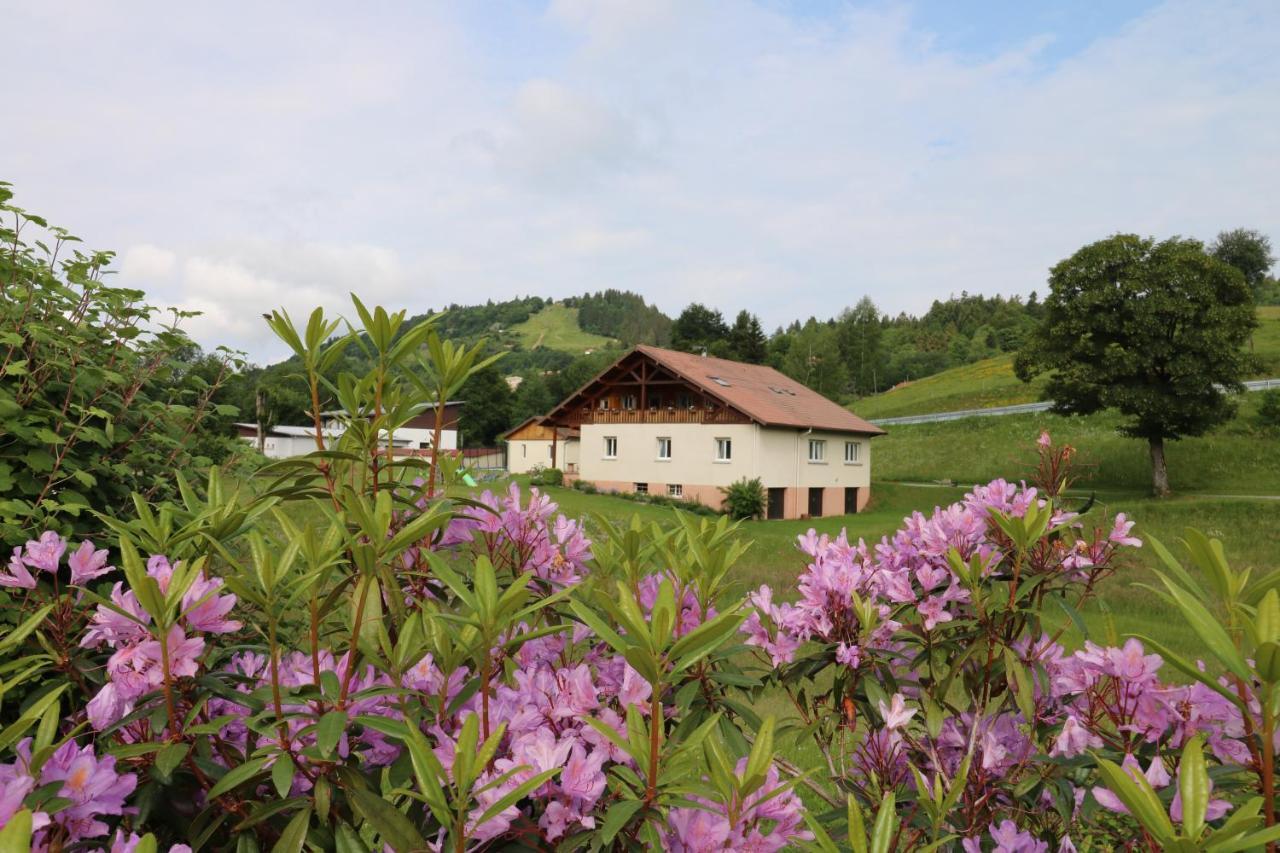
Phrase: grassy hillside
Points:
(1241, 457)
(985, 383)
(556, 327)
(991, 382)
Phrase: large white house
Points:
(667, 422)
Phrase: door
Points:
(777, 498)
(815, 503)
(850, 500)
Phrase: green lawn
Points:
(556, 327)
(1239, 458)
(991, 382)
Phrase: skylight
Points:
(719, 381)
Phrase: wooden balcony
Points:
(661, 416)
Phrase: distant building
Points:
(281, 442)
(672, 423)
(417, 432)
(514, 382)
(533, 444)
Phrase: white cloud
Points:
(718, 151)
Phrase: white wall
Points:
(523, 455)
(785, 455)
(779, 457)
(693, 453)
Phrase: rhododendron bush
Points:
(356, 654)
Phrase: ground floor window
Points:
(675, 490)
(642, 488)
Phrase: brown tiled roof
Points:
(762, 393)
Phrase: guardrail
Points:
(1020, 408)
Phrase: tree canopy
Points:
(1154, 330)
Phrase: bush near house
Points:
(745, 498)
(348, 659)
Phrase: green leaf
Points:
(389, 822)
(886, 822)
(1207, 628)
(295, 834)
(15, 837)
(282, 774)
(617, 817)
(1136, 793)
(170, 757)
(329, 731)
(237, 776)
(1193, 784)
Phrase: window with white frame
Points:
(675, 490)
(628, 402)
(817, 450)
(851, 451)
(610, 447)
(664, 448)
(642, 488)
(603, 403)
(724, 449)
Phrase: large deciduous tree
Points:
(1152, 329)
(1247, 251)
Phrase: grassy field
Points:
(1239, 458)
(991, 382)
(556, 327)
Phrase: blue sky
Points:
(785, 157)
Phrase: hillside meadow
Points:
(991, 382)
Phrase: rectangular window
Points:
(603, 403)
(610, 447)
(724, 449)
(851, 451)
(524, 450)
(642, 488)
(629, 402)
(675, 490)
(664, 448)
(817, 450)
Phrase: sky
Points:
(783, 157)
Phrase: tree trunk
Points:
(1159, 472)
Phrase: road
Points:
(1020, 408)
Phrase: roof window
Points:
(719, 381)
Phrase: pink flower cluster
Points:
(523, 537)
(768, 820)
(136, 666)
(45, 555)
(91, 785)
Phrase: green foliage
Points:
(546, 477)
(487, 409)
(1152, 329)
(99, 398)
(700, 328)
(1269, 409)
(623, 315)
(745, 498)
(1248, 251)
(813, 358)
(747, 340)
